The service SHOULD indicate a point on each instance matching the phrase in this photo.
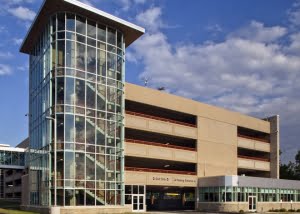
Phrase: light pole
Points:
(54, 148)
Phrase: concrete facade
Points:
(216, 134)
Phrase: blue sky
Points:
(241, 55)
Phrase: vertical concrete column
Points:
(275, 145)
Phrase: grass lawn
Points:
(11, 207)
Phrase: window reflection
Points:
(80, 25)
(70, 22)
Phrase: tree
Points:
(291, 170)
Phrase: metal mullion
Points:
(96, 108)
(85, 66)
(122, 168)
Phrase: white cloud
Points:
(247, 72)
(5, 55)
(18, 41)
(127, 4)
(150, 19)
(256, 31)
(214, 29)
(294, 47)
(86, 2)
(294, 14)
(5, 70)
(22, 13)
(2, 29)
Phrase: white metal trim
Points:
(106, 15)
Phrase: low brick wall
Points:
(237, 206)
(94, 210)
(222, 207)
(78, 210)
(266, 206)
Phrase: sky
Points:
(240, 55)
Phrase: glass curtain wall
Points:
(240, 194)
(88, 79)
(40, 83)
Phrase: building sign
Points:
(183, 181)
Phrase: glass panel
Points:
(70, 94)
(79, 165)
(53, 23)
(127, 199)
(79, 194)
(91, 29)
(70, 54)
(101, 62)
(100, 167)
(80, 92)
(60, 53)
(60, 197)
(141, 189)
(111, 65)
(60, 165)
(80, 56)
(100, 132)
(111, 36)
(60, 90)
(79, 125)
(90, 166)
(119, 39)
(110, 197)
(101, 33)
(100, 200)
(60, 128)
(71, 22)
(60, 21)
(90, 130)
(69, 128)
(90, 95)
(91, 59)
(69, 197)
(80, 25)
(70, 163)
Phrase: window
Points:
(80, 25)
(80, 56)
(70, 22)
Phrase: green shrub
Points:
(241, 211)
(276, 210)
(291, 210)
(282, 210)
(298, 210)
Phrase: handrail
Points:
(137, 169)
(254, 158)
(158, 144)
(160, 118)
(254, 138)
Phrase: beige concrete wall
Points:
(25, 190)
(217, 148)
(159, 179)
(216, 134)
(253, 144)
(275, 145)
(253, 164)
(147, 151)
(158, 126)
(165, 100)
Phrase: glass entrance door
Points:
(138, 203)
(252, 203)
